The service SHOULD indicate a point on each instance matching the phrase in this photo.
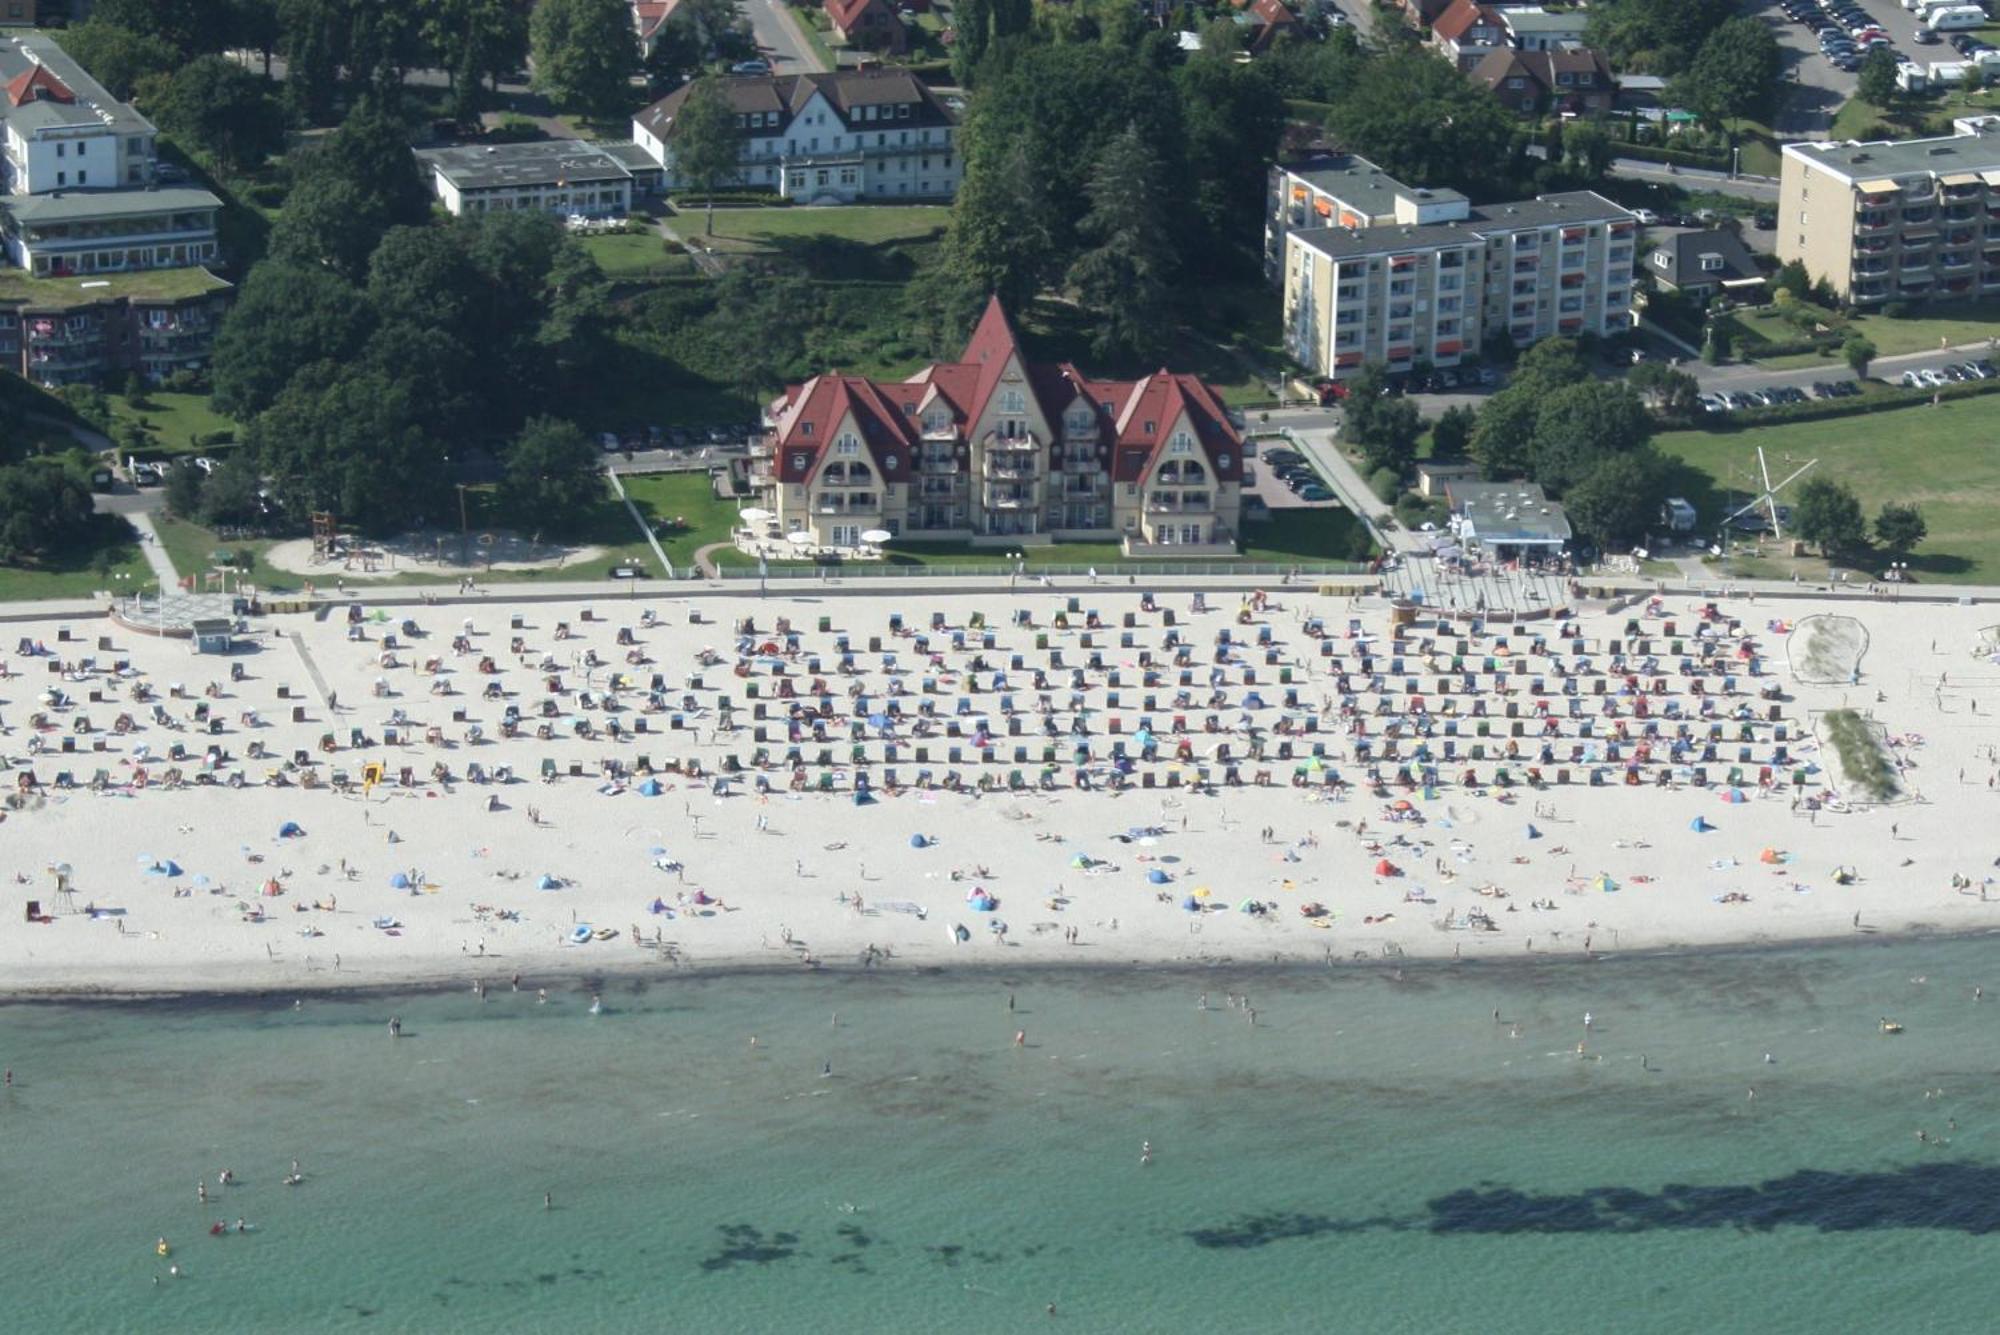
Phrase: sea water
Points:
(1375, 1153)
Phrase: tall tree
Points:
(1505, 434)
(1234, 117)
(1828, 514)
(312, 37)
(350, 190)
(118, 57)
(972, 31)
(348, 441)
(1736, 72)
(1126, 276)
(285, 318)
(1580, 424)
(44, 507)
(1000, 240)
(1877, 82)
(193, 27)
(215, 105)
(554, 480)
(707, 143)
(1425, 123)
(1899, 528)
(585, 54)
(1452, 433)
(1617, 501)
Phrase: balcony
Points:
(1007, 498)
(847, 503)
(1010, 444)
(946, 431)
(1079, 485)
(1865, 223)
(1008, 467)
(1178, 502)
(937, 461)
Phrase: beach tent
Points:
(1385, 868)
(1603, 883)
(649, 788)
(1534, 833)
(290, 830)
(1157, 877)
(164, 867)
(919, 841)
(399, 882)
(1191, 904)
(1700, 825)
(1080, 860)
(1734, 796)
(983, 903)
(703, 897)
(548, 882)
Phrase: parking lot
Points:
(1284, 479)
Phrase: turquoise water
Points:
(1375, 1154)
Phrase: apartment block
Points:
(1407, 292)
(1908, 221)
(874, 136)
(63, 331)
(995, 449)
(1342, 190)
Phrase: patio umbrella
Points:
(548, 882)
(649, 788)
(1700, 825)
(1202, 892)
(801, 538)
(1734, 796)
(290, 830)
(874, 535)
(1384, 867)
(1191, 904)
(754, 515)
(1603, 882)
(1534, 833)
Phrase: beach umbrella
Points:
(1384, 867)
(984, 904)
(1080, 860)
(1734, 796)
(399, 882)
(1202, 892)
(703, 897)
(1157, 877)
(290, 830)
(1534, 833)
(801, 538)
(165, 867)
(1700, 825)
(548, 882)
(1191, 904)
(753, 515)
(920, 841)
(1400, 804)
(649, 788)
(1603, 883)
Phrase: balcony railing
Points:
(995, 441)
(1009, 471)
(995, 498)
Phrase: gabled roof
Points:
(888, 414)
(35, 84)
(1542, 67)
(845, 90)
(649, 16)
(1461, 18)
(846, 13)
(1683, 252)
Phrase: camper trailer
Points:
(1956, 18)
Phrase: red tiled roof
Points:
(1463, 15)
(35, 84)
(808, 417)
(846, 13)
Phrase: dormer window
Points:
(1149, 428)
(805, 428)
(909, 410)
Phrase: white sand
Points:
(818, 849)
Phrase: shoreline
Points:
(613, 976)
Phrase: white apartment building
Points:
(875, 135)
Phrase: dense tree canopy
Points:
(1655, 36)
(585, 53)
(348, 441)
(215, 105)
(1125, 274)
(118, 57)
(1735, 73)
(348, 192)
(554, 480)
(1413, 113)
(1828, 514)
(285, 317)
(44, 507)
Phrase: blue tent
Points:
(983, 904)
(164, 867)
(1157, 877)
(1191, 904)
(399, 882)
(548, 882)
(1700, 825)
(862, 797)
(1534, 833)
(919, 841)
(290, 830)
(649, 788)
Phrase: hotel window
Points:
(1013, 401)
(847, 444)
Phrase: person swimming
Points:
(596, 1004)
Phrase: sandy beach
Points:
(1229, 814)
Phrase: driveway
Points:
(1312, 429)
(1763, 189)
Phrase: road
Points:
(776, 30)
(1763, 189)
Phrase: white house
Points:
(556, 176)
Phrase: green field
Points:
(628, 256)
(151, 284)
(81, 572)
(688, 497)
(1938, 458)
(753, 230)
(193, 549)
(173, 419)
(1955, 322)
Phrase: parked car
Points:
(1313, 491)
(1910, 380)
(1924, 37)
(1713, 403)
(1646, 217)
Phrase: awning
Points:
(1991, 178)
(1879, 187)
(1298, 194)
(1960, 178)
(1323, 207)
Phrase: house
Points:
(879, 135)
(1575, 79)
(23, 13)
(649, 19)
(1269, 21)
(1465, 32)
(1704, 264)
(63, 331)
(1000, 451)
(566, 176)
(1507, 520)
(1424, 13)
(868, 25)
(1532, 28)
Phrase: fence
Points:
(1132, 570)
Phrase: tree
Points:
(475, 40)
(585, 53)
(285, 317)
(1715, 348)
(184, 490)
(44, 507)
(1505, 432)
(347, 441)
(972, 22)
(312, 37)
(117, 57)
(1125, 278)
(1426, 123)
(1736, 72)
(1452, 433)
(1618, 500)
(1877, 83)
(1587, 150)
(1792, 278)
(356, 185)
(1859, 352)
(1578, 425)
(1827, 514)
(1899, 528)
(230, 494)
(554, 482)
(1388, 436)
(1550, 365)
(1000, 241)
(707, 142)
(1654, 36)
(191, 27)
(1972, 81)
(215, 105)
(1672, 394)
(1234, 116)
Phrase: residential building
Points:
(1574, 79)
(878, 135)
(868, 25)
(649, 19)
(1423, 13)
(1703, 265)
(1001, 451)
(1268, 22)
(62, 331)
(1507, 520)
(1467, 31)
(1906, 221)
(1342, 190)
(1435, 290)
(1533, 28)
(21, 13)
(566, 176)
(77, 175)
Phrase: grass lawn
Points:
(113, 550)
(191, 548)
(688, 496)
(748, 231)
(1938, 458)
(1956, 322)
(1307, 535)
(174, 419)
(630, 256)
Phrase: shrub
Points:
(1385, 483)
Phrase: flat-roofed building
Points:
(70, 232)
(63, 331)
(566, 176)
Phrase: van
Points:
(1956, 18)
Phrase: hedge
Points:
(761, 199)
(1815, 409)
(1678, 157)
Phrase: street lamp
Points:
(1735, 162)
